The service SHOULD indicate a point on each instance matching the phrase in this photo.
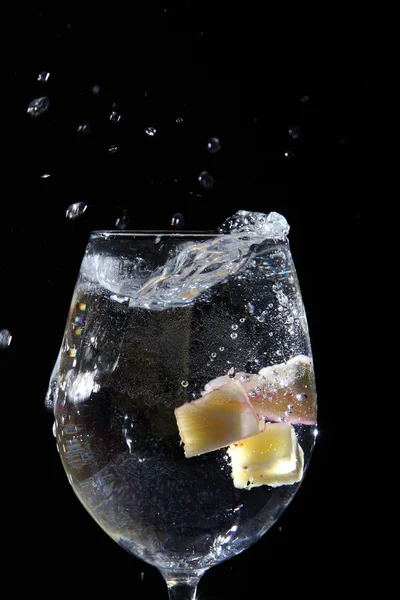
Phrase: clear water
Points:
(123, 369)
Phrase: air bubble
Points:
(261, 319)
(242, 320)
(213, 145)
(221, 348)
(184, 383)
(301, 397)
(150, 131)
(235, 327)
(289, 154)
(38, 106)
(206, 180)
(213, 354)
(232, 372)
(234, 336)
(76, 210)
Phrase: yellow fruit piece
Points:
(217, 419)
(274, 458)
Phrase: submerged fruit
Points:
(217, 419)
(274, 458)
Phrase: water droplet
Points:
(289, 155)
(43, 77)
(112, 149)
(141, 576)
(184, 383)
(179, 120)
(250, 308)
(95, 89)
(232, 372)
(45, 176)
(221, 348)
(5, 338)
(75, 210)
(213, 354)
(83, 128)
(301, 397)
(294, 132)
(305, 99)
(38, 106)
(123, 221)
(253, 393)
(115, 117)
(234, 336)
(235, 327)
(213, 145)
(150, 131)
(206, 180)
(178, 221)
(54, 429)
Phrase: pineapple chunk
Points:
(285, 390)
(217, 419)
(272, 458)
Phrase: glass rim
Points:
(106, 233)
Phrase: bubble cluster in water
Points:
(38, 106)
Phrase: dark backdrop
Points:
(273, 84)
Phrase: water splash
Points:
(76, 210)
(38, 106)
(5, 338)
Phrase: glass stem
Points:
(182, 586)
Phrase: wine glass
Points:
(184, 396)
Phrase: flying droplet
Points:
(150, 131)
(179, 120)
(43, 77)
(76, 210)
(213, 145)
(294, 132)
(123, 221)
(83, 128)
(38, 106)
(177, 221)
(5, 338)
(112, 148)
(206, 180)
(289, 155)
(95, 89)
(115, 117)
(45, 176)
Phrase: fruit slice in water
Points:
(217, 419)
(286, 390)
(274, 458)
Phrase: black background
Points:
(244, 73)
